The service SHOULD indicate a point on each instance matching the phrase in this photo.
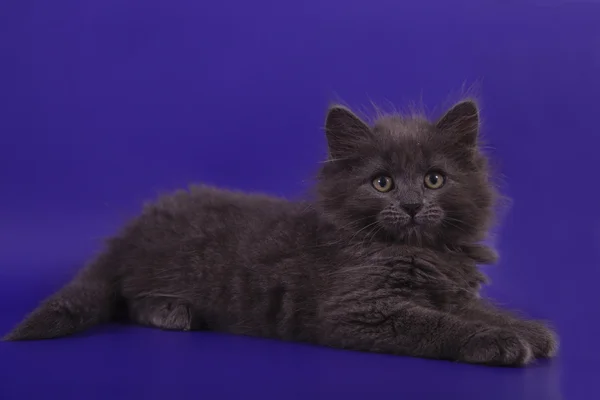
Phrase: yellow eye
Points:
(383, 183)
(434, 180)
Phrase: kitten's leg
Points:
(543, 340)
(161, 312)
(393, 326)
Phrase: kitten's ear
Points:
(462, 122)
(346, 133)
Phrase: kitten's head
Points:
(407, 179)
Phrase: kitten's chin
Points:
(402, 230)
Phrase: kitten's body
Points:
(349, 270)
(246, 264)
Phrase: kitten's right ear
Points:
(346, 133)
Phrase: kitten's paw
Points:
(161, 313)
(172, 317)
(497, 347)
(542, 339)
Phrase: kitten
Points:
(384, 260)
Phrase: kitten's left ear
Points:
(462, 122)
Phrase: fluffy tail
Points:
(89, 299)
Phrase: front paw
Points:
(497, 346)
(544, 342)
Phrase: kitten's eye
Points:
(435, 180)
(383, 183)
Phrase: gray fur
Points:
(351, 269)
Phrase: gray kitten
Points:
(384, 260)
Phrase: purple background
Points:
(105, 103)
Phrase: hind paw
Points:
(163, 314)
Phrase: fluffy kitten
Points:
(383, 260)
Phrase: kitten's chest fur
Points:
(437, 279)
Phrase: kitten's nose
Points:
(412, 208)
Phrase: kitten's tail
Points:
(89, 299)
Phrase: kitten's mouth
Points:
(413, 222)
(402, 227)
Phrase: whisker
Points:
(329, 160)
(367, 236)
(363, 228)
